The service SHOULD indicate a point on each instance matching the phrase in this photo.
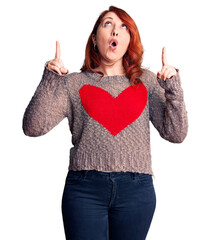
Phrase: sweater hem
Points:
(134, 162)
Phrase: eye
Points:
(124, 26)
(106, 23)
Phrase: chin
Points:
(113, 57)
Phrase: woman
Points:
(109, 192)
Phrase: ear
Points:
(94, 38)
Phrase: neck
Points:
(111, 69)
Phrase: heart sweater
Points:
(109, 119)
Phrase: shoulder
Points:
(75, 77)
(75, 80)
(148, 78)
(147, 74)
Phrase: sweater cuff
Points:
(52, 72)
(51, 79)
(172, 84)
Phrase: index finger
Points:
(164, 59)
(58, 50)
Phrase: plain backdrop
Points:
(33, 170)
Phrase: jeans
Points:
(100, 205)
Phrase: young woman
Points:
(109, 191)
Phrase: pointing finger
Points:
(164, 59)
(58, 50)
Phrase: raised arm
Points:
(50, 102)
(166, 104)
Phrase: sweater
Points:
(109, 119)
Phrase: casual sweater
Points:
(108, 117)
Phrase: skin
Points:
(111, 27)
(56, 64)
(167, 71)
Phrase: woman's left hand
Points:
(167, 71)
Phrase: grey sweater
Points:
(108, 118)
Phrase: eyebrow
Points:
(106, 18)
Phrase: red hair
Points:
(132, 59)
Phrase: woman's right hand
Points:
(56, 64)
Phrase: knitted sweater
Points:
(108, 118)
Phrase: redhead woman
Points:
(109, 192)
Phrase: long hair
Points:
(132, 59)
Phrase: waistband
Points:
(106, 175)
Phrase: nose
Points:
(114, 31)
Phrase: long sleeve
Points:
(49, 105)
(167, 108)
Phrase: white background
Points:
(33, 170)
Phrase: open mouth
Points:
(113, 44)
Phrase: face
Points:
(111, 28)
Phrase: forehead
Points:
(113, 16)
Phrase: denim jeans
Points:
(100, 205)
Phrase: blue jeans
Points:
(100, 205)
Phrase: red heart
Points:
(114, 114)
